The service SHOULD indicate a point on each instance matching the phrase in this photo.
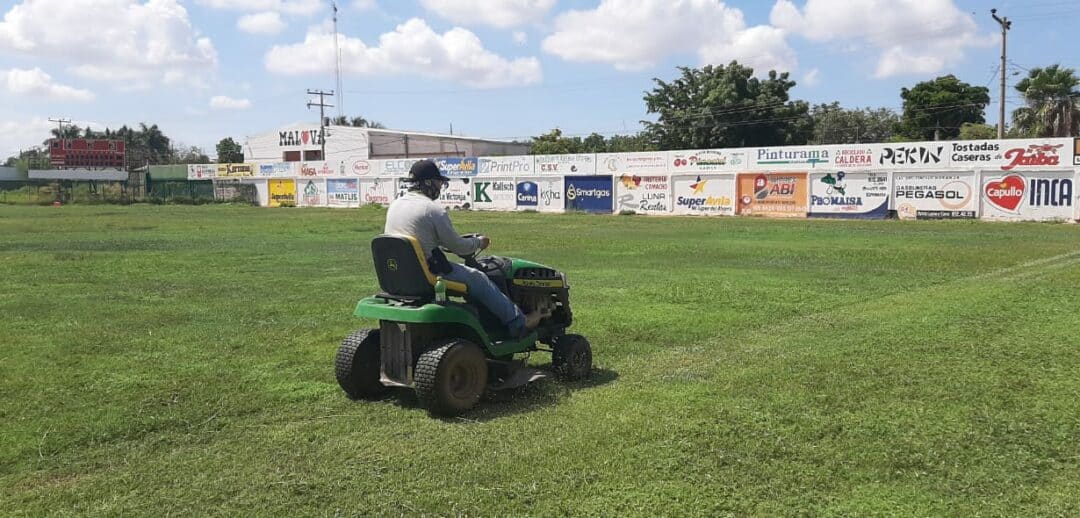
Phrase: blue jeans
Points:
(487, 293)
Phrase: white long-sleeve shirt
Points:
(418, 216)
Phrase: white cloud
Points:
(912, 36)
(268, 22)
(413, 47)
(221, 102)
(127, 40)
(496, 13)
(812, 77)
(299, 7)
(20, 135)
(35, 82)
(637, 34)
(520, 37)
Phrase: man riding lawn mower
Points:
(452, 331)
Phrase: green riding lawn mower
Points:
(434, 339)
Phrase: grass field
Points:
(179, 360)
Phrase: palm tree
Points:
(1053, 103)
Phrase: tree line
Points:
(149, 145)
(727, 107)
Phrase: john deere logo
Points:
(391, 265)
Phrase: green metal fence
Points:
(41, 192)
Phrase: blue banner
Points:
(589, 194)
(528, 194)
(458, 167)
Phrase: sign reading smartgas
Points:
(589, 193)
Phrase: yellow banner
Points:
(282, 192)
(235, 170)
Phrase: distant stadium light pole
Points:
(1005, 26)
(322, 116)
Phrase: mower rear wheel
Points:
(451, 377)
(357, 365)
(571, 357)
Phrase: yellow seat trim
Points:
(452, 287)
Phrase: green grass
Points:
(179, 360)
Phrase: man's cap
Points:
(425, 170)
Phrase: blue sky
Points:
(206, 69)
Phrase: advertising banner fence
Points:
(781, 195)
(858, 195)
(458, 194)
(494, 194)
(798, 158)
(540, 194)
(321, 168)
(458, 167)
(653, 162)
(1029, 196)
(312, 193)
(278, 170)
(708, 195)
(235, 170)
(935, 195)
(395, 168)
(707, 160)
(589, 193)
(202, 171)
(507, 166)
(282, 192)
(378, 191)
(343, 192)
(565, 165)
(648, 194)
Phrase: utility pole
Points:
(60, 122)
(322, 115)
(337, 65)
(1005, 26)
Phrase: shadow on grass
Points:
(540, 394)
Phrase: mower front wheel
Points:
(571, 357)
(451, 377)
(357, 365)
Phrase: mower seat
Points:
(403, 271)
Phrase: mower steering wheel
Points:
(470, 259)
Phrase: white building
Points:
(346, 145)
